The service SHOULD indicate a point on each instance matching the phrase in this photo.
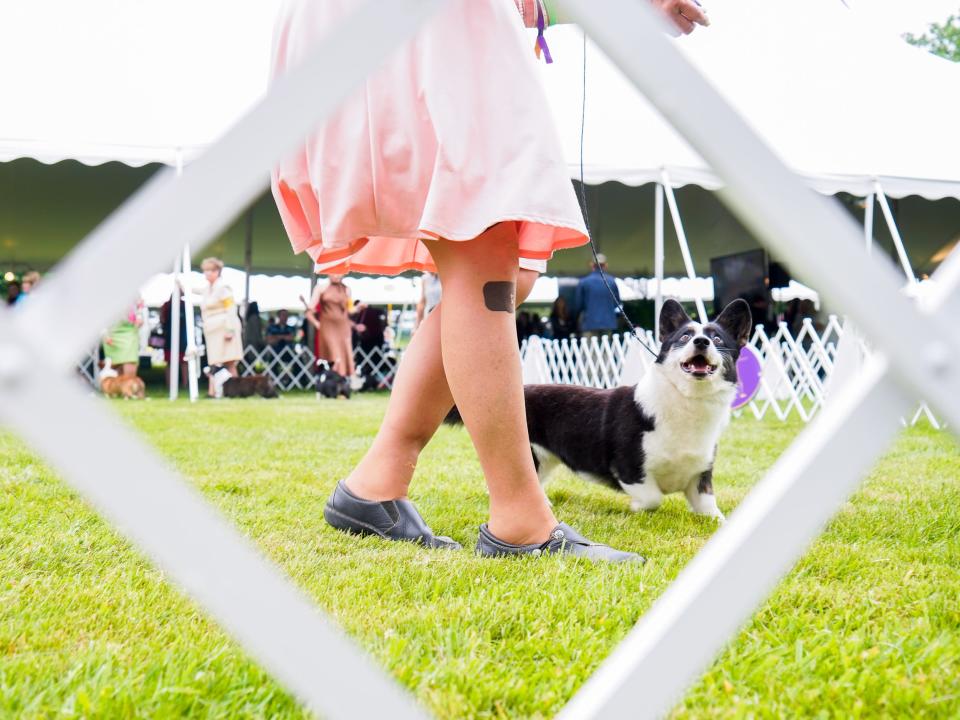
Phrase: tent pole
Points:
(869, 202)
(191, 332)
(174, 363)
(175, 310)
(658, 258)
(682, 239)
(895, 234)
(247, 261)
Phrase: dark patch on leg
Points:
(705, 486)
(500, 295)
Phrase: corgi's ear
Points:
(737, 320)
(672, 317)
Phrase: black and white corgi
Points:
(657, 437)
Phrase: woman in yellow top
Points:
(222, 330)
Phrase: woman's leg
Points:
(482, 365)
(232, 368)
(129, 369)
(419, 402)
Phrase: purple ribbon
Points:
(541, 40)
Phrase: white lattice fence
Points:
(589, 361)
(292, 368)
(796, 369)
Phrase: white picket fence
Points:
(795, 379)
(293, 368)
(796, 370)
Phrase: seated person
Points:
(280, 334)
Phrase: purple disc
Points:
(748, 374)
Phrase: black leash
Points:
(586, 213)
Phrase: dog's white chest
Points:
(686, 430)
(674, 459)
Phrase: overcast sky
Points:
(899, 16)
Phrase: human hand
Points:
(684, 15)
(108, 341)
(361, 327)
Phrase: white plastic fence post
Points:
(658, 257)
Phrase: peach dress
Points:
(447, 139)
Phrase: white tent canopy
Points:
(840, 104)
(138, 82)
(156, 81)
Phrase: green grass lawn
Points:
(868, 624)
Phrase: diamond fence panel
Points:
(293, 367)
(89, 366)
(795, 368)
(590, 361)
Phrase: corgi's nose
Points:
(701, 343)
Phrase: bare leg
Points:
(482, 364)
(421, 398)
(232, 368)
(129, 369)
(418, 404)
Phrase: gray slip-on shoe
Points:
(563, 539)
(392, 520)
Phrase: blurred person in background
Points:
(222, 330)
(562, 324)
(13, 292)
(329, 313)
(253, 327)
(27, 283)
(121, 343)
(600, 315)
(430, 292)
(166, 326)
(280, 335)
(370, 324)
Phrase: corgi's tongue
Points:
(698, 365)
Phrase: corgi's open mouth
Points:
(698, 367)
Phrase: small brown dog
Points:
(114, 386)
(250, 385)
